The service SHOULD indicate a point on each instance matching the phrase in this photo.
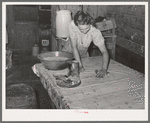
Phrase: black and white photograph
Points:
(89, 58)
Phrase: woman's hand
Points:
(101, 73)
(81, 68)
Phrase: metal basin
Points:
(55, 64)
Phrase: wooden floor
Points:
(21, 72)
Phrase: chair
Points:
(107, 29)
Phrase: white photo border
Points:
(73, 115)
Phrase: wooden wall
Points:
(10, 25)
(130, 48)
(130, 20)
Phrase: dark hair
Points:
(83, 18)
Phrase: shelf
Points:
(26, 22)
(44, 7)
(45, 10)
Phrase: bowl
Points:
(55, 60)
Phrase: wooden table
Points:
(123, 88)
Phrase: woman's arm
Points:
(76, 53)
(73, 42)
(105, 62)
(99, 40)
(105, 56)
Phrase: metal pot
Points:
(55, 64)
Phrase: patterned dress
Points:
(83, 40)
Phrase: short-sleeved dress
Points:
(83, 40)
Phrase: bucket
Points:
(63, 18)
(20, 96)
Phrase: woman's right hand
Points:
(81, 69)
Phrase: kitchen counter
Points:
(123, 88)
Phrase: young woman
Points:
(82, 33)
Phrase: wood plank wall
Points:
(130, 20)
(10, 25)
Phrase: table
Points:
(123, 88)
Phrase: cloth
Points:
(35, 70)
(8, 59)
(83, 40)
(67, 81)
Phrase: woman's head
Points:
(83, 20)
